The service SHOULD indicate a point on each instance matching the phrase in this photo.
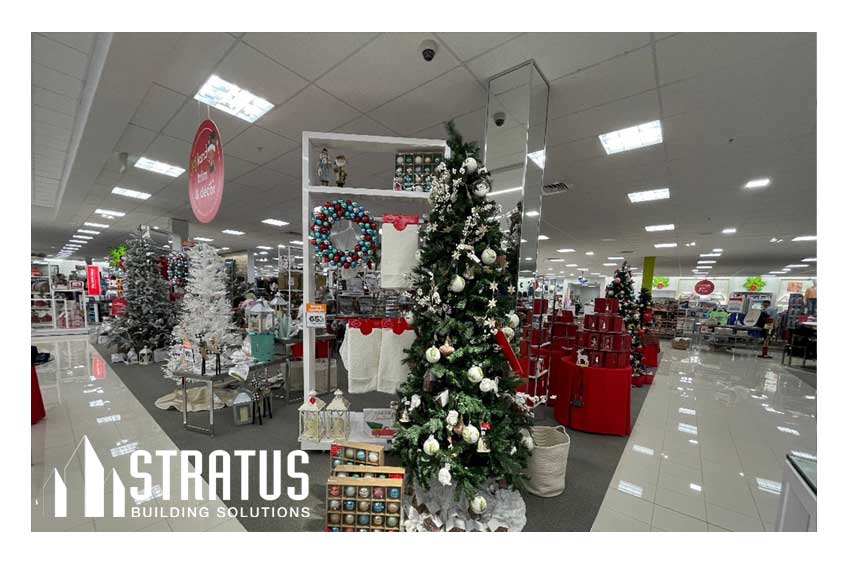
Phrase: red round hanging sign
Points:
(205, 172)
(704, 287)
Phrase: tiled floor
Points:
(84, 397)
(707, 451)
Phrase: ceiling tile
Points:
(51, 100)
(168, 149)
(51, 117)
(56, 81)
(455, 93)
(365, 125)
(384, 69)
(471, 127)
(158, 107)
(258, 145)
(470, 45)
(308, 54)
(235, 167)
(184, 124)
(311, 110)
(254, 71)
(289, 164)
(59, 57)
(135, 140)
(557, 54)
(193, 59)
(264, 178)
(83, 42)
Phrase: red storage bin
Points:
(606, 305)
(624, 342)
(607, 342)
(541, 306)
(616, 359)
(323, 348)
(602, 400)
(582, 339)
(617, 324)
(566, 316)
(650, 356)
(589, 322)
(571, 330)
(596, 358)
(558, 329)
(604, 322)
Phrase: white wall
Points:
(725, 285)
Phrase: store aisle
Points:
(84, 397)
(707, 451)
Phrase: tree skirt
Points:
(197, 399)
(435, 510)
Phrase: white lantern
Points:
(242, 407)
(145, 357)
(336, 422)
(260, 317)
(310, 420)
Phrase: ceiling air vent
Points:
(556, 188)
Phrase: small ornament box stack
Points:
(368, 471)
(413, 172)
(363, 504)
(564, 332)
(356, 453)
(604, 339)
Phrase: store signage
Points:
(734, 304)
(92, 274)
(205, 172)
(118, 306)
(315, 315)
(704, 287)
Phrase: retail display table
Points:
(797, 511)
(594, 399)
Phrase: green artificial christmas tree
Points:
(463, 424)
(622, 289)
(643, 303)
(149, 315)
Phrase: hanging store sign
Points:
(315, 315)
(205, 172)
(704, 287)
(92, 274)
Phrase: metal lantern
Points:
(279, 305)
(260, 323)
(242, 407)
(145, 357)
(336, 423)
(310, 419)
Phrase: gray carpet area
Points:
(592, 457)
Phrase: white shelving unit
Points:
(314, 194)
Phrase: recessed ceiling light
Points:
(275, 222)
(728, 230)
(797, 266)
(99, 225)
(638, 136)
(87, 231)
(572, 265)
(615, 258)
(117, 190)
(112, 213)
(649, 195)
(706, 261)
(542, 237)
(565, 250)
(532, 213)
(758, 183)
(589, 253)
(710, 255)
(808, 260)
(804, 238)
(296, 242)
(232, 99)
(608, 264)
(654, 228)
(159, 167)
(262, 247)
(232, 232)
(204, 239)
(666, 245)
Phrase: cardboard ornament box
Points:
(564, 329)
(616, 359)
(356, 453)
(606, 305)
(364, 504)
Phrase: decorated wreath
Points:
(322, 221)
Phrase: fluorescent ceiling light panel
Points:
(804, 238)
(275, 222)
(263, 252)
(117, 190)
(808, 260)
(655, 228)
(666, 245)
(542, 237)
(706, 261)
(778, 272)
(556, 259)
(572, 265)
(589, 253)
(649, 195)
(159, 167)
(264, 247)
(204, 239)
(704, 267)
(232, 99)
(296, 242)
(112, 213)
(497, 192)
(232, 232)
(532, 213)
(717, 250)
(282, 246)
(224, 248)
(710, 255)
(615, 258)
(565, 250)
(86, 237)
(608, 264)
(758, 183)
(87, 231)
(638, 136)
(797, 266)
(98, 225)
(77, 241)
(728, 230)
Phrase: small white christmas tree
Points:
(206, 314)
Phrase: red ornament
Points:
(312, 400)
(336, 258)
(485, 426)
(346, 264)
(348, 202)
(366, 218)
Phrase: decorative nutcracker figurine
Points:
(340, 170)
(324, 168)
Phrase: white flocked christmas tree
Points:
(206, 315)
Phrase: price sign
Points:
(315, 315)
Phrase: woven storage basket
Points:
(547, 465)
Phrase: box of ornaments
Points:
(368, 472)
(414, 171)
(356, 453)
(363, 505)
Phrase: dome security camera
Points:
(428, 48)
(499, 118)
